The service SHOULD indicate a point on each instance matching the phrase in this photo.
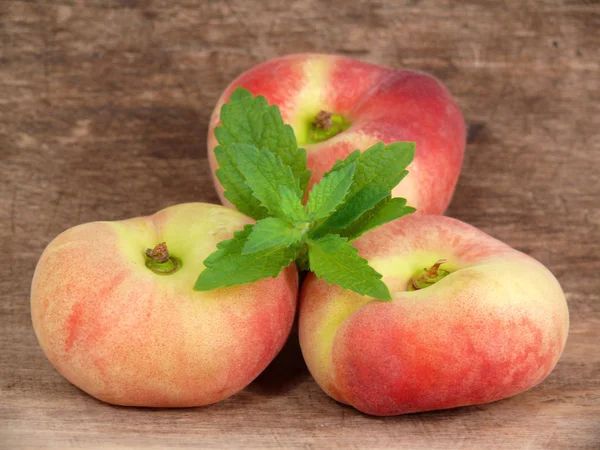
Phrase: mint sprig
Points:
(250, 120)
(264, 175)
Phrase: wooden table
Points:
(104, 106)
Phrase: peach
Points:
(129, 336)
(493, 327)
(369, 103)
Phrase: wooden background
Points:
(104, 107)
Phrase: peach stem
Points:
(429, 276)
(323, 120)
(160, 262)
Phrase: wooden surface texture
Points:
(104, 106)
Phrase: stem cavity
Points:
(428, 276)
(160, 262)
(326, 125)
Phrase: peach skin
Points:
(129, 329)
(337, 104)
(471, 321)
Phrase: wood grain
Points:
(104, 107)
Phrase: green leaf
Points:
(250, 120)
(265, 174)
(229, 246)
(271, 232)
(351, 210)
(327, 195)
(236, 190)
(385, 211)
(380, 168)
(228, 267)
(239, 94)
(341, 163)
(383, 165)
(292, 205)
(336, 261)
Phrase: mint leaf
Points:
(229, 246)
(271, 232)
(336, 261)
(239, 94)
(385, 211)
(265, 174)
(292, 205)
(228, 267)
(236, 190)
(380, 168)
(351, 210)
(250, 120)
(326, 195)
(341, 163)
(383, 165)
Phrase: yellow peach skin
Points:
(129, 336)
(494, 327)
